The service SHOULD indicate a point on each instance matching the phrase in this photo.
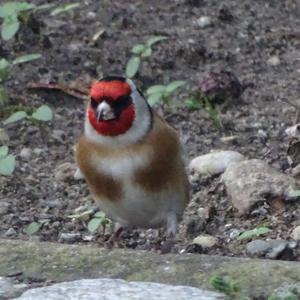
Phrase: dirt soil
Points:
(242, 37)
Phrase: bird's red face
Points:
(111, 110)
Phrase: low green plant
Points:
(7, 161)
(294, 194)
(225, 285)
(34, 227)
(13, 13)
(96, 220)
(64, 8)
(43, 113)
(254, 233)
(289, 296)
(163, 93)
(99, 220)
(139, 52)
(9, 12)
(201, 101)
(5, 71)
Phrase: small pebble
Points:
(38, 151)
(4, 207)
(204, 22)
(215, 162)
(276, 248)
(4, 138)
(296, 233)
(273, 61)
(271, 248)
(69, 237)
(257, 247)
(91, 15)
(234, 233)
(229, 139)
(26, 153)
(10, 232)
(205, 241)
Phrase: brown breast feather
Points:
(165, 171)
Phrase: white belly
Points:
(138, 208)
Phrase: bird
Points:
(131, 159)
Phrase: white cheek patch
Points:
(122, 166)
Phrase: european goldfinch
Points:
(131, 158)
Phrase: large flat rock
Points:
(61, 262)
(118, 289)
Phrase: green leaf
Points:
(33, 228)
(43, 113)
(10, 27)
(224, 285)
(3, 152)
(174, 85)
(17, 116)
(154, 98)
(253, 233)
(44, 6)
(7, 165)
(84, 216)
(44, 221)
(4, 69)
(25, 58)
(22, 6)
(147, 52)
(94, 224)
(159, 88)
(3, 96)
(192, 103)
(8, 9)
(294, 194)
(64, 8)
(138, 49)
(155, 39)
(100, 214)
(132, 66)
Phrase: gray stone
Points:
(234, 233)
(276, 248)
(38, 151)
(8, 290)
(287, 291)
(114, 289)
(296, 233)
(69, 237)
(215, 162)
(4, 138)
(274, 61)
(205, 241)
(4, 206)
(270, 248)
(251, 181)
(63, 262)
(10, 232)
(204, 22)
(26, 153)
(258, 247)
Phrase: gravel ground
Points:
(258, 41)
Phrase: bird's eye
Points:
(94, 103)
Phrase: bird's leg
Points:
(114, 240)
(170, 234)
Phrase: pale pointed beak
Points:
(104, 112)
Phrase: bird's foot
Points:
(114, 240)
